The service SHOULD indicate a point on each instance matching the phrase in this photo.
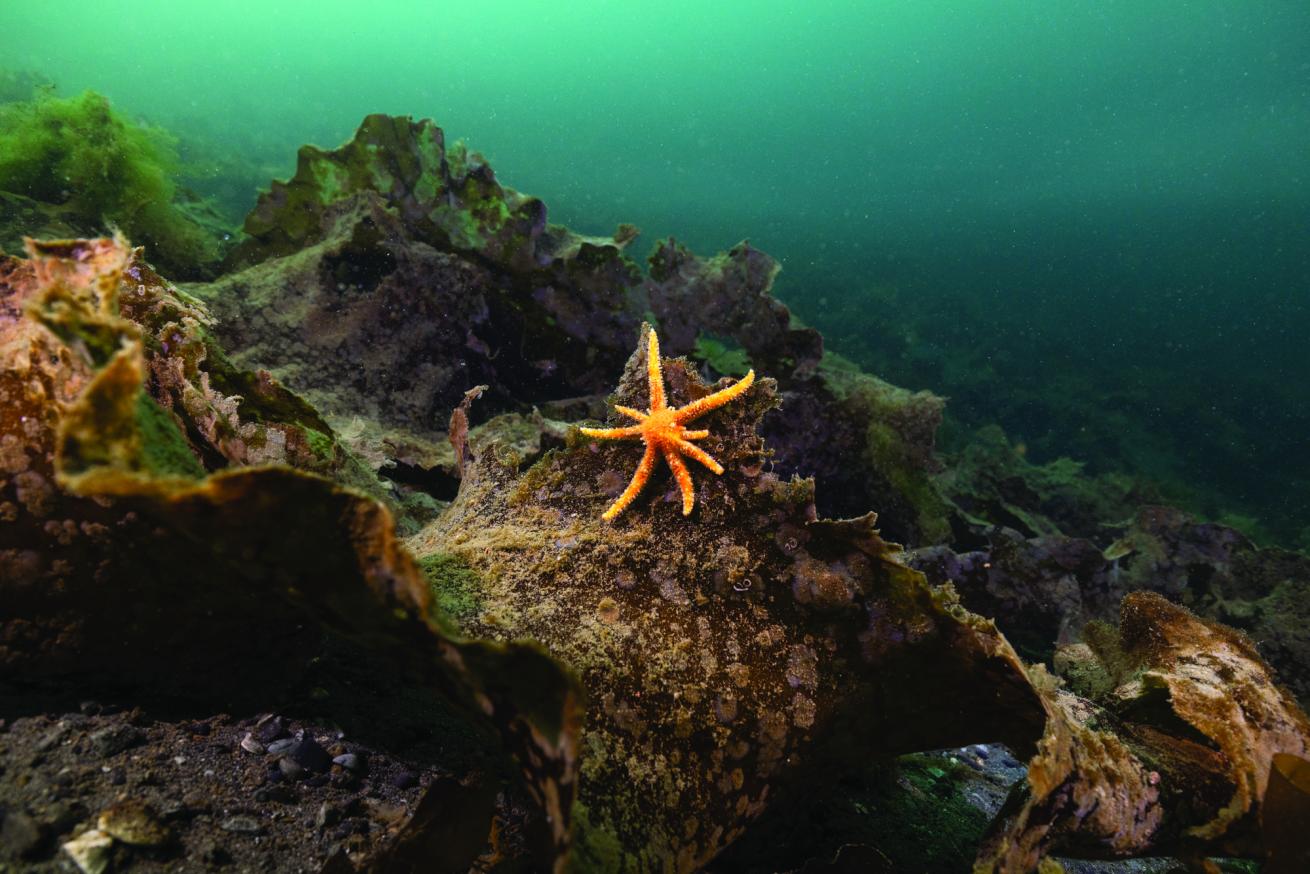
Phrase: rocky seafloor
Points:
(302, 568)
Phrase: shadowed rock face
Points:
(729, 295)
(1043, 591)
(131, 565)
(390, 275)
(723, 650)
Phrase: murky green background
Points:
(1088, 221)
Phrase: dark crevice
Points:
(435, 481)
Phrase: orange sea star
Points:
(663, 429)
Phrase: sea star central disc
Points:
(663, 429)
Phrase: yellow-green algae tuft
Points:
(110, 172)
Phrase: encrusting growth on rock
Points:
(663, 428)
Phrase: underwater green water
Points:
(1088, 221)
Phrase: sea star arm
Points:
(630, 412)
(613, 433)
(638, 481)
(683, 476)
(696, 409)
(699, 454)
(655, 374)
(695, 435)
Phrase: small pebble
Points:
(242, 824)
(52, 738)
(349, 761)
(174, 808)
(328, 814)
(60, 818)
(278, 792)
(290, 768)
(352, 826)
(114, 739)
(90, 851)
(212, 854)
(271, 728)
(133, 822)
(278, 747)
(404, 780)
(309, 755)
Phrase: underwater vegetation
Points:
(333, 525)
(101, 170)
(1191, 434)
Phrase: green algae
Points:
(930, 823)
(884, 451)
(723, 355)
(456, 589)
(595, 847)
(915, 813)
(163, 448)
(78, 151)
(320, 444)
(887, 450)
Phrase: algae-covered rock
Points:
(126, 567)
(748, 650)
(209, 412)
(719, 651)
(729, 295)
(866, 442)
(990, 483)
(1174, 756)
(388, 276)
(1043, 591)
(890, 458)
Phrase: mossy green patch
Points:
(924, 820)
(914, 812)
(163, 448)
(456, 589)
(885, 452)
(595, 848)
(320, 444)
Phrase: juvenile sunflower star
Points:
(663, 428)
